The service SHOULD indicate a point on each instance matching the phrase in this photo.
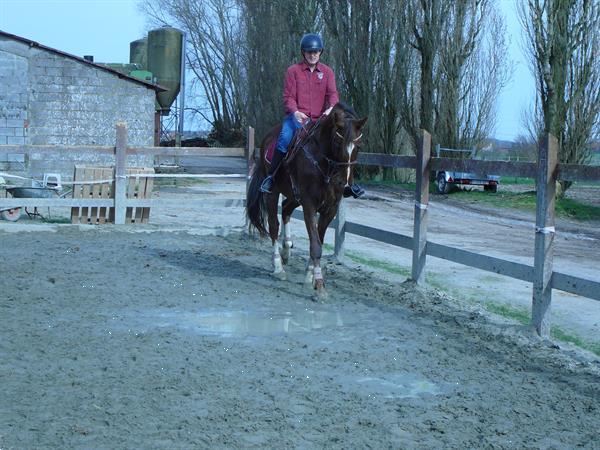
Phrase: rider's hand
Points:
(327, 111)
(300, 116)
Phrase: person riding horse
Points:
(309, 92)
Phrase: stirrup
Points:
(353, 191)
(267, 185)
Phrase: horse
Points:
(316, 169)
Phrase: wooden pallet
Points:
(138, 187)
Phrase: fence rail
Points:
(546, 171)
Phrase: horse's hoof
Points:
(319, 284)
(320, 295)
(279, 275)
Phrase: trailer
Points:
(445, 180)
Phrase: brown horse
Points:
(313, 175)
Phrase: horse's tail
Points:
(256, 204)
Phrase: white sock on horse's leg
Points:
(286, 252)
(309, 277)
(277, 264)
(287, 231)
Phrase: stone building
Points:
(50, 97)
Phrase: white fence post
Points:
(544, 235)
(120, 170)
(421, 201)
(340, 232)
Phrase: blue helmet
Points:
(311, 42)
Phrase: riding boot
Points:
(267, 183)
(353, 191)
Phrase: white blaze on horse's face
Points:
(349, 150)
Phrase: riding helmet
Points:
(311, 42)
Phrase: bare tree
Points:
(372, 59)
(427, 21)
(473, 71)
(273, 33)
(215, 44)
(563, 39)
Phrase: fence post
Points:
(421, 201)
(544, 235)
(249, 155)
(249, 168)
(340, 232)
(120, 180)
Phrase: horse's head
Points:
(345, 133)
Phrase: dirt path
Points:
(153, 339)
(495, 232)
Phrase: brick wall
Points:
(13, 98)
(49, 99)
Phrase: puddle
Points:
(399, 385)
(240, 323)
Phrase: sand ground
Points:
(174, 335)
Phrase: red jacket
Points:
(309, 92)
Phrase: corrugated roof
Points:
(155, 87)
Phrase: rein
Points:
(301, 142)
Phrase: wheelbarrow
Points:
(13, 214)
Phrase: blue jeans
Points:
(290, 125)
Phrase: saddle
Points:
(297, 140)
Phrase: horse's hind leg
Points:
(272, 201)
(287, 208)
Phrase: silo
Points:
(164, 61)
(138, 53)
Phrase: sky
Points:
(104, 29)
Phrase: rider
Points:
(309, 91)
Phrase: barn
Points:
(49, 97)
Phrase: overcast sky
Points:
(104, 29)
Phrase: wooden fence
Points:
(546, 172)
(119, 203)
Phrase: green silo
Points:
(164, 61)
(138, 53)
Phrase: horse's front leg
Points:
(272, 201)
(325, 219)
(287, 208)
(310, 219)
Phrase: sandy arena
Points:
(149, 338)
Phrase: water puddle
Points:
(241, 323)
(399, 385)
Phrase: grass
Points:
(408, 186)
(523, 316)
(525, 201)
(518, 180)
(373, 263)
(520, 315)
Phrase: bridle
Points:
(333, 166)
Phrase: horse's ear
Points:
(359, 123)
(338, 117)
